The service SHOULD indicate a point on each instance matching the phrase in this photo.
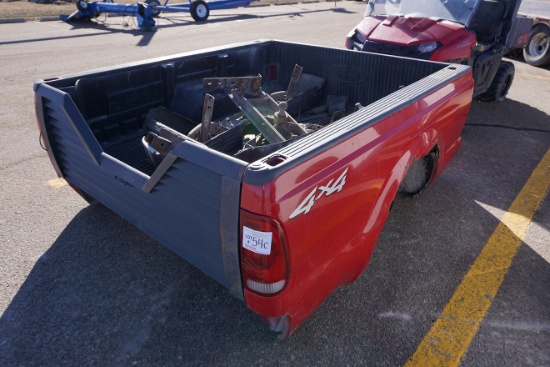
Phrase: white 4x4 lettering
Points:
(330, 188)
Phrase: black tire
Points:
(153, 4)
(82, 5)
(537, 50)
(199, 10)
(501, 83)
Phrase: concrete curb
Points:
(49, 19)
(257, 5)
(23, 20)
(12, 20)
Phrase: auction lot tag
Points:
(256, 241)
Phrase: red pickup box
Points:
(270, 166)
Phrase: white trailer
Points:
(537, 50)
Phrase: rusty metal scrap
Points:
(245, 84)
(207, 110)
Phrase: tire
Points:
(82, 5)
(199, 10)
(153, 3)
(501, 83)
(537, 50)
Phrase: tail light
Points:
(264, 254)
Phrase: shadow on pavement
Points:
(106, 294)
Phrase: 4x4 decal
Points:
(319, 191)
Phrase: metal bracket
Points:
(291, 89)
(207, 111)
(256, 117)
(259, 110)
(246, 84)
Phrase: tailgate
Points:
(190, 203)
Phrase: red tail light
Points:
(264, 255)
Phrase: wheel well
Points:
(544, 24)
(420, 173)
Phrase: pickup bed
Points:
(270, 166)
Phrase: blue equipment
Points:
(145, 12)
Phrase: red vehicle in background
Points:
(472, 32)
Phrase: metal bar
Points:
(228, 4)
(246, 84)
(291, 90)
(207, 110)
(212, 5)
(257, 119)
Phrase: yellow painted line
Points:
(452, 333)
(533, 76)
(56, 183)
